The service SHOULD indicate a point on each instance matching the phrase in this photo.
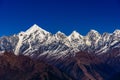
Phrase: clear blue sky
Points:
(63, 15)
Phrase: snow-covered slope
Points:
(39, 42)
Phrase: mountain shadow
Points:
(21, 67)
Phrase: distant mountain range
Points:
(37, 39)
(90, 57)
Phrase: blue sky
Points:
(59, 15)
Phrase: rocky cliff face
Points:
(84, 66)
(21, 67)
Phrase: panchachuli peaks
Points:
(38, 39)
(74, 54)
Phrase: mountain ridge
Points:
(75, 54)
(93, 41)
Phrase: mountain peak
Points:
(74, 35)
(35, 25)
(93, 35)
(35, 28)
(94, 31)
(117, 31)
(60, 34)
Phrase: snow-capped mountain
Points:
(37, 40)
(92, 55)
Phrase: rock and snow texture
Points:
(19, 44)
(39, 42)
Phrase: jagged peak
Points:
(93, 33)
(117, 31)
(75, 35)
(60, 34)
(34, 28)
